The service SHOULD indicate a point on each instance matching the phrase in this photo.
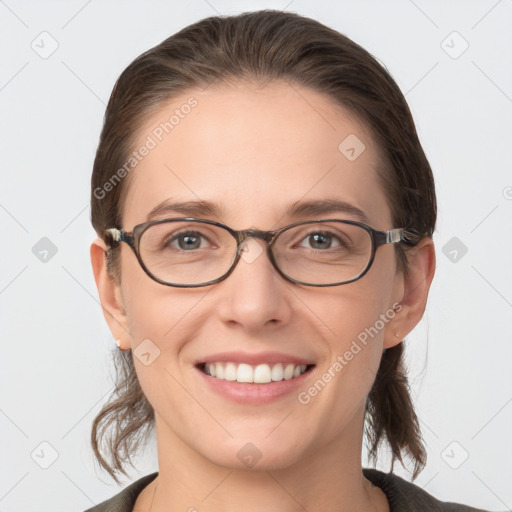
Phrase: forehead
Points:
(254, 151)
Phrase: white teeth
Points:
(262, 374)
(230, 372)
(244, 373)
(259, 374)
(288, 372)
(277, 372)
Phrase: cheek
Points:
(357, 307)
(147, 303)
(353, 318)
(166, 316)
(352, 352)
(163, 321)
(355, 335)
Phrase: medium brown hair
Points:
(260, 47)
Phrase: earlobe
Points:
(416, 285)
(110, 295)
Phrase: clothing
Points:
(402, 496)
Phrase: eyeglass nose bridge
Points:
(245, 234)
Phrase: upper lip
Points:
(255, 359)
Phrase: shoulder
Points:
(125, 500)
(404, 496)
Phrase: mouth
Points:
(264, 373)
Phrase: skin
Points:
(282, 149)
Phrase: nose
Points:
(254, 295)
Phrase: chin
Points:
(260, 454)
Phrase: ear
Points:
(414, 292)
(110, 295)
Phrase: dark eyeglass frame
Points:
(378, 238)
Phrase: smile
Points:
(254, 374)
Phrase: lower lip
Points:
(247, 393)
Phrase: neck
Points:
(328, 479)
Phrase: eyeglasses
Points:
(189, 252)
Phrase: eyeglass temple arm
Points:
(118, 235)
(392, 236)
(115, 234)
(396, 235)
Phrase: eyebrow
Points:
(298, 209)
(326, 207)
(188, 208)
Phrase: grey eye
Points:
(321, 240)
(189, 241)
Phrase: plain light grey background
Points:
(59, 63)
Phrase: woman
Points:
(265, 215)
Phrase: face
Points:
(254, 152)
